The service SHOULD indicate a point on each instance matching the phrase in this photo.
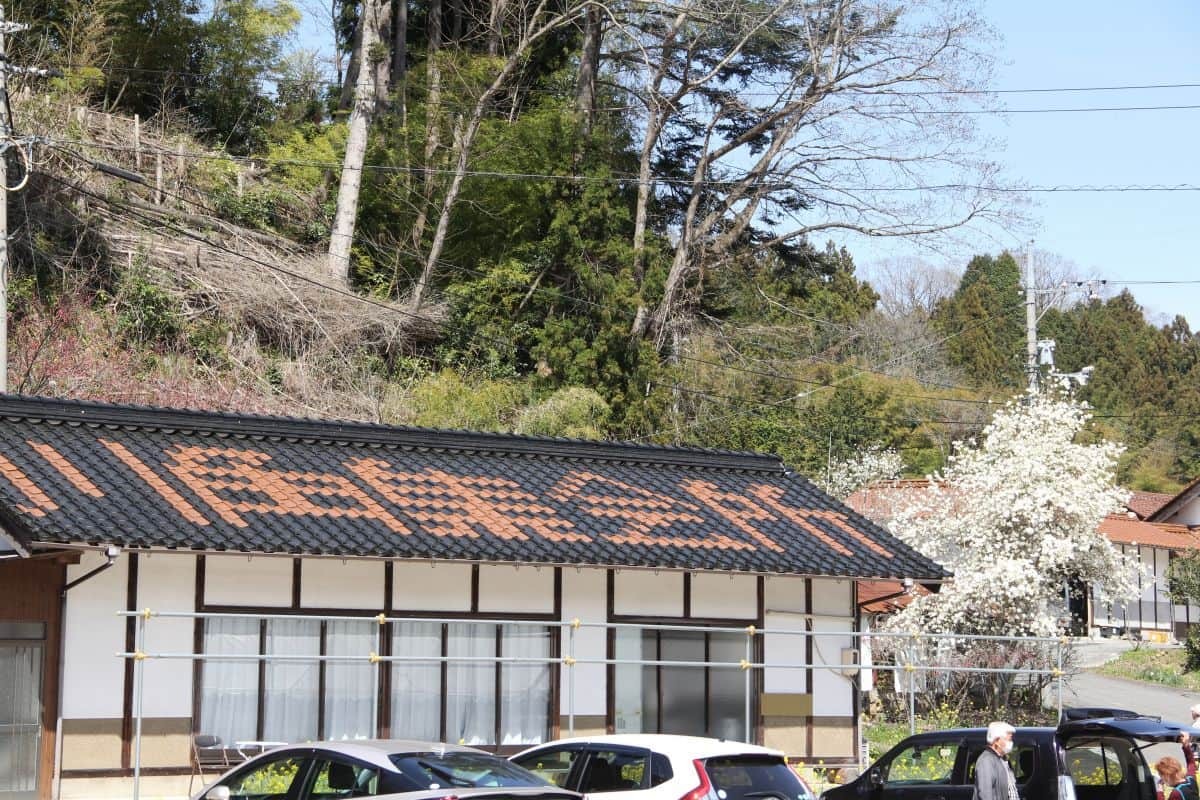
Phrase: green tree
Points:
(981, 323)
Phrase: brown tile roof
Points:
(89, 473)
(1145, 504)
(1123, 529)
(1168, 509)
(884, 597)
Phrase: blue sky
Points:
(1131, 236)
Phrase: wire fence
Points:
(917, 662)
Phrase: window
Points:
(291, 705)
(339, 779)
(553, 764)
(1023, 760)
(923, 763)
(616, 771)
(1095, 764)
(677, 699)
(461, 769)
(469, 711)
(745, 777)
(273, 778)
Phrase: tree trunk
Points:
(433, 102)
(589, 67)
(350, 82)
(399, 45)
(372, 23)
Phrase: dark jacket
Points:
(991, 776)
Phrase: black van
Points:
(1088, 758)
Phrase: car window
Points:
(616, 771)
(738, 777)
(1022, 759)
(927, 762)
(458, 769)
(265, 780)
(339, 779)
(660, 769)
(1094, 764)
(552, 764)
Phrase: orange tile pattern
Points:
(454, 505)
(736, 509)
(41, 502)
(66, 469)
(211, 472)
(156, 483)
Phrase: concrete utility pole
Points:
(1031, 353)
(5, 141)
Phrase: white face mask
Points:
(1006, 747)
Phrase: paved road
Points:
(1089, 689)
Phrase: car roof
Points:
(670, 744)
(377, 751)
(484, 792)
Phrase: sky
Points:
(1126, 236)
(1131, 236)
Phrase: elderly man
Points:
(1196, 716)
(994, 778)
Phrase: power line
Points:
(629, 179)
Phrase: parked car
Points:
(664, 767)
(368, 768)
(1085, 758)
(489, 793)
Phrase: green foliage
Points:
(983, 320)
(147, 314)
(450, 400)
(1191, 647)
(572, 412)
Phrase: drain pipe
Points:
(111, 553)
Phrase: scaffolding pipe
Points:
(139, 678)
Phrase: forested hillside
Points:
(579, 219)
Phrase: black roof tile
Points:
(88, 473)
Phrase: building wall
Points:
(816, 718)
(1152, 610)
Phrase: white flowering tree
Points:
(1014, 517)
(870, 466)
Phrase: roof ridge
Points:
(90, 412)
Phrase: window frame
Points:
(574, 774)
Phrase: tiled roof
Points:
(1145, 504)
(1123, 529)
(1169, 509)
(886, 597)
(75, 473)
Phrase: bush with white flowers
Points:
(1014, 517)
(871, 465)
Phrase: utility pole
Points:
(1031, 353)
(5, 141)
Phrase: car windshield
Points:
(458, 769)
(749, 777)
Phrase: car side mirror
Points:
(217, 793)
(876, 778)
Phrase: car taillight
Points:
(705, 790)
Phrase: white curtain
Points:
(291, 692)
(471, 690)
(417, 685)
(229, 690)
(525, 688)
(628, 694)
(350, 686)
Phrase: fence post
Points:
(139, 662)
(158, 179)
(137, 141)
(746, 669)
(1059, 676)
(570, 655)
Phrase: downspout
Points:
(111, 552)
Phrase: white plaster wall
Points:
(516, 589)
(334, 583)
(422, 587)
(1189, 514)
(782, 648)
(93, 676)
(646, 593)
(584, 598)
(833, 607)
(237, 580)
(784, 593)
(724, 596)
(167, 582)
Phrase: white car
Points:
(665, 767)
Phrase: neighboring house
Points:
(1154, 529)
(312, 530)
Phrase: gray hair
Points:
(998, 730)
(1196, 711)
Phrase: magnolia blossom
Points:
(1014, 518)
(869, 466)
